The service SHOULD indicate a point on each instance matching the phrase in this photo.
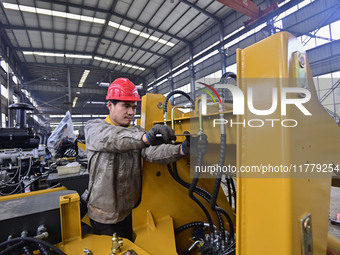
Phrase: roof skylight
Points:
(140, 33)
(68, 15)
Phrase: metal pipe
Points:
(69, 88)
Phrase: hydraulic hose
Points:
(218, 182)
(213, 205)
(190, 225)
(30, 240)
(191, 194)
(165, 106)
(199, 191)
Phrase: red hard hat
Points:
(122, 89)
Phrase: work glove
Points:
(160, 134)
(195, 143)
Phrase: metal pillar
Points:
(192, 73)
(171, 81)
(69, 89)
(221, 50)
(154, 87)
(10, 122)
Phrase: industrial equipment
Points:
(267, 210)
(22, 154)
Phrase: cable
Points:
(191, 193)
(201, 192)
(31, 240)
(190, 225)
(165, 106)
(234, 190)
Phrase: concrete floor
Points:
(334, 209)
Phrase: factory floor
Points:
(334, 209)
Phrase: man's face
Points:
(122, 113)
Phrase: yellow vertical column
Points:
(270, 209)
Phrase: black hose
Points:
(13, 248)
(165, 106)
(189, 225)
(27, 250)
(43, 249)
(230, 199)
(234, 191)
(228, 75)
(231, 226)
(191, 193)
(198, 190)
(32, 240)
(219, 173)
(217, 185)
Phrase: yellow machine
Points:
(287, 157)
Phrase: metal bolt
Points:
(302, 60)
(87, 252)
(307, 225)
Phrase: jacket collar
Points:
(108, 120)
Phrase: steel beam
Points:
(59, 89)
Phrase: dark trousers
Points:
(122, 228)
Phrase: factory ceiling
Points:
(57, 46)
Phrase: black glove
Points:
(165, 134)
(195, 143)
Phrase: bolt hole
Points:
(309, 249)
(158, 173)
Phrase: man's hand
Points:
(197, 144)
(159, 134)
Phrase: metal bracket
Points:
(307, 235)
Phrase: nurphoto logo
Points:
(239, 105)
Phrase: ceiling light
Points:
(65, 15)
(118, 63)
(83, 78)
(140, 33)
(104, 84)
(95, 102)
(60, 55)
(74, 102)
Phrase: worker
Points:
(115, 168)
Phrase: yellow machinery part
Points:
(163, 198)
(270, 209)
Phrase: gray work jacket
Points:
(115, 168)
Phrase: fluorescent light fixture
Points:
(104, 84)
(140, 33)
(45, 54)
(96, 102)
(51, 54)
(56, 116)
(83, 78)
(65, 15)
(78, 92)
(59, 55)
(78, 56)
(74, 102)
(118, 63)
